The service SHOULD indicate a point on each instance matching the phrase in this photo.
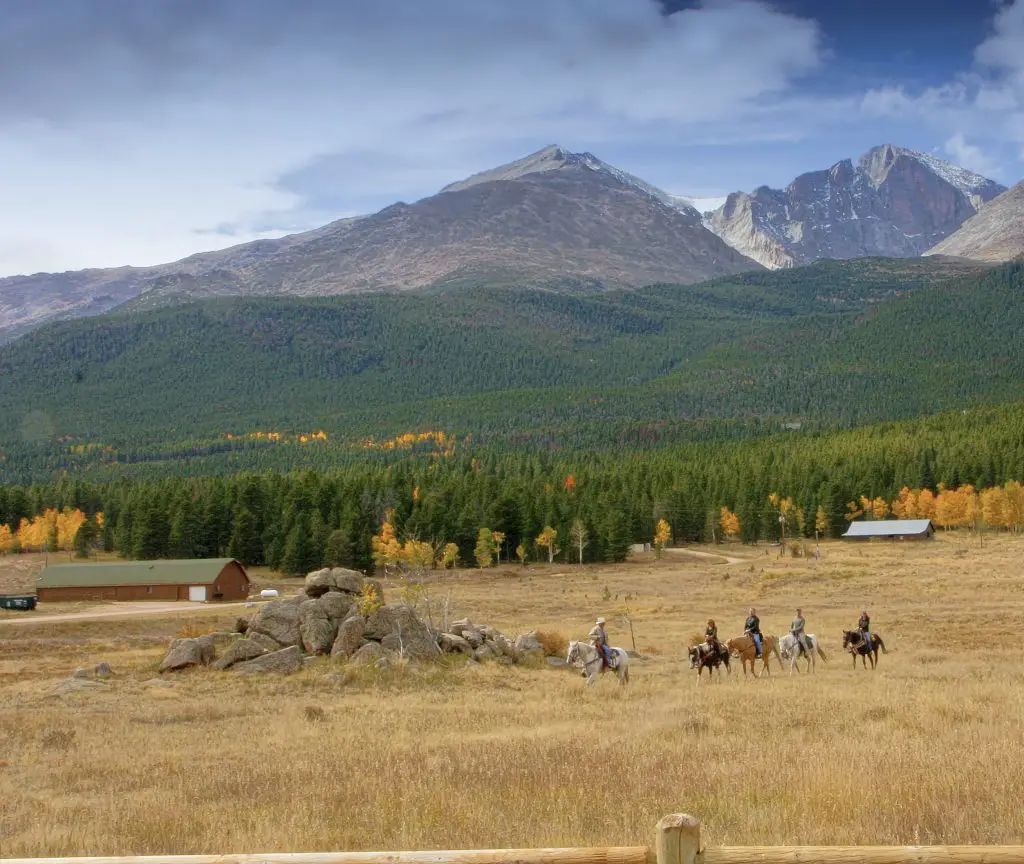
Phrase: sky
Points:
(139, 132)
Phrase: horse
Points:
(703, 655)
(586, 654)
(855, 643)
(744, 648)
(789, 651)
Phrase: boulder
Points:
(485, 652)
(223, 638)
(182, 654)
(504, 645)
(279, 620)
(338, 606)
(80, 673)
(473, 636)
(336, 579)
(453, 644)
(102, 670)
(264, 640)
(317, 630)
(348, 581)
(350, 637)
(240, 651)
(242, 623)
(401, 621)
(318, 582)
(208, 647)
(528, 643)
(283, 662)
(461, 625)
(370, 653)
(558, 662)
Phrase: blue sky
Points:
(140, 132)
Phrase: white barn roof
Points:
(889, 528)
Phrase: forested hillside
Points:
(830, 345)
(297, 520)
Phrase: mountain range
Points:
(571, 222)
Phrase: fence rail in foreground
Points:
(676, 841)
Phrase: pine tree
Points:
(299, 555)
(246, 544)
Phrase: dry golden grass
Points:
(926, 749)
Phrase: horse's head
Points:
(574, 653)
(694, 656)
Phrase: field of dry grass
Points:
(926, 749)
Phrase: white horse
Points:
(790, 651)
(584, 654)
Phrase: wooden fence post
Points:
(678, 840)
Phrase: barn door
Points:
(197, 593)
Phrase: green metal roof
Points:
(198, 571)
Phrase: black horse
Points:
(710, 657)
(855, 643)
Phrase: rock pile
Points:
(336, 614)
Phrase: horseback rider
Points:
(796, 627)
(864, 626)
(753, 629)
(711, 636)
(599, 639)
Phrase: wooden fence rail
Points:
(676, 841)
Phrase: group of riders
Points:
(751, 628)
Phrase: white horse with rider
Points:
(589, 656)
(789, 649)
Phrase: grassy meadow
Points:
(925, 749)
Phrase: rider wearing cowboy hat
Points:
(600, 642)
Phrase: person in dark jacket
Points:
(753, 629)
(864, 625)
(711, 635)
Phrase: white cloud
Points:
(970, 156)
(983, 103)
(132, 135)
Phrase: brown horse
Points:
(704, 656)
(744, 648)
(855, 643)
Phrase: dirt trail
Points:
(121, 610)
(726, 559)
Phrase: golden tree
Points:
(6, 540)
(450, 556)
(499, 538)
(821, 522)
(547, 538)
(730, 522)
(385, 547)
(662, 534)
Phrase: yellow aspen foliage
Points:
(521, 553)
(821, 523)
(879, 508)
(547, 538)
(926, 504)
(450, 556)
(730, 522)
(905, 506)
(418, 553)
(662, 534)
(1014, 505)
(995, 507)
(499, 538)
(385, 546)
(853, 511)
(6, 540)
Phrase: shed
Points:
(199, 579)
(901, 529)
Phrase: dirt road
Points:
(724, 559)
(120, 610)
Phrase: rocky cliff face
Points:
(893, 203)
(994, 235)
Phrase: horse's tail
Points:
(881, 644)
(821, 653)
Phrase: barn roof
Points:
(888, 528)
(198, 571)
